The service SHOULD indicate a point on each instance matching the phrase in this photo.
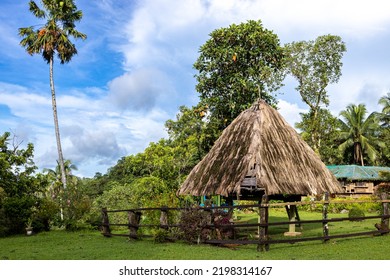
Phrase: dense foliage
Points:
(21, 192)
(235, 65)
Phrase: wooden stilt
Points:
(292, 214)
(263, 231)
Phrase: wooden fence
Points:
(263, 240)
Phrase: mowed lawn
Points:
(91, 245)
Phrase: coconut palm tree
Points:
(360, 132)
(55, 178)
(384, 116)
(50, 39)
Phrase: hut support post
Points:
(292, 212)
(134, 218)
(325, 217)
(164, 218)
(106, 224)
(385, 212)
(263, 229)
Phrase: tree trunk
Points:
(56, 127)
(314, 131)
(358, 153)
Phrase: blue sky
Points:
(135, 69)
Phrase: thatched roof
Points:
(261, 144)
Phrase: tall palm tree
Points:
(53, 38)
(384, 116)
(360, 132)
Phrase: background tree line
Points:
(236, 66)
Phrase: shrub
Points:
(18, 211)
(344, 203)
(193, 224)
(161, 235)
(222, 220)
(46, 213)
(356, 212)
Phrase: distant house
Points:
(355, 179)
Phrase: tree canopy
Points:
(53, 37)
(361, 133)
(315, 65)
(236, 66)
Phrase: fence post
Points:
(325, 217)
(134, 218)
(164, 218)
(263, 230)
(385, 212)
(105, 225)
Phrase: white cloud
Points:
(138, 90)
(356, 87)
(290, 111)
(94, 134)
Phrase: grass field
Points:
(91, 245)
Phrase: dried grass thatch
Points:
(261, 142)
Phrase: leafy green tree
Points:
(361, 133)
(53, 38)
(73, 200)
(148, 191)
(237, 65)
(161, 162)
(192, 130)
(20, 189)
(329, 138)
(315, 65)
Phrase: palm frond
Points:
(33, 7)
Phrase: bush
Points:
(193, 224)
(222, 222)
(340, 205)
(161, 236)
(46, 213)
(356, 212)
(4, 224)
(17, 211)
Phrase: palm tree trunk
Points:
(56, 127)
(358, 153)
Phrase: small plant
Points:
(356, 212)
(29, 228)
(29, 223)
(161, 236)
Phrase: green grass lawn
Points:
(91, 245)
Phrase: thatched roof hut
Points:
(260, 151)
